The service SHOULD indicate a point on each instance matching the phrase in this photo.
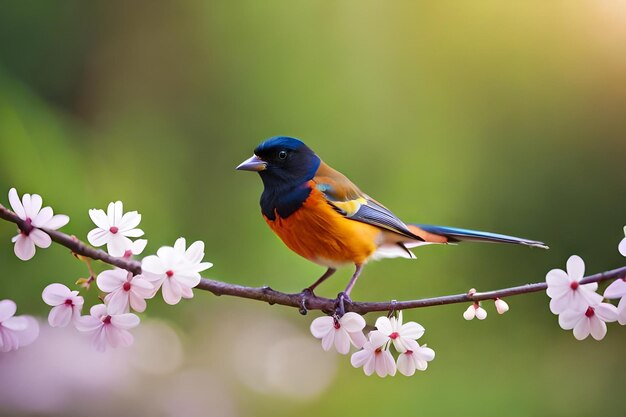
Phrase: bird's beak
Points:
(254, 163)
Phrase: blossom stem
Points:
(313, 302)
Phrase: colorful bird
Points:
(321, 215)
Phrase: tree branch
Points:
(312, 302)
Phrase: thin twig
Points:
(312, 302)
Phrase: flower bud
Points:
(501, 306)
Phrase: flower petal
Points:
(425, 353)
(564, 303)
(606, 312)
(179, 245)
(60, 316)
(328, 340)
(153, 264)
(358, 339)
(8, 340)
(88, 324)
(597, 327)
(622, 247)
(370, 365)
(412, 330)
(98, 237)
(56, 294)
(352, 322)
(557, 277)
(111, 279)
(15, 323)
(568, 319)
(132, 233)
(342, 341)
(321, 326)
(35, 206)
(621, 311)
(575, 268)
(171, 291)
(99, 218)
(383, 324)
(30, 334)
(186, 292)
(195, 252)
(589, 295)
(98, 311)
(7, 309)
(125, 321)
(361, 357)
(582, 329)
(129, 221)
(56, 222)
(406, 365)
(137, 302)
(118, 302)
(43, 217)
(16, 204)
(118, 244)
(377, 338)
(119, 337)
(138, 246)
(114, 213)
(24, 247)
(617, 289)
(40, 238)
(99, 339)
(556, 291)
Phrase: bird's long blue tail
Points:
(455, 234)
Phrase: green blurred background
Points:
(506, 117)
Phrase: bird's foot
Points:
(340, 303)
(305, 294)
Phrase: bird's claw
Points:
(340, 303)
(304, 295)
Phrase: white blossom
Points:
(340, 332)
(114, 228)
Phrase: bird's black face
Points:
(282, 162)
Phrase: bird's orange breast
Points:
(320, 234)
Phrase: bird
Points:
(324, 217)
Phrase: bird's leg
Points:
(308, 291)
(321, 279)
(344, 296)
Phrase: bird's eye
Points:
(282, 154)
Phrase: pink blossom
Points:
(106, 328)
(415, 357)
(66, 304)
(114, 228)
(374, 357)
(35, 217)
(124, 290)
(15, 331)
(340, 332)
(566, 292)
(398, 333)
(475, 310)
(588, 321)
(622, 244)
(176, 269)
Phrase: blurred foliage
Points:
(506, 117)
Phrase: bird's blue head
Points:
(285, 165)
(282, 162)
